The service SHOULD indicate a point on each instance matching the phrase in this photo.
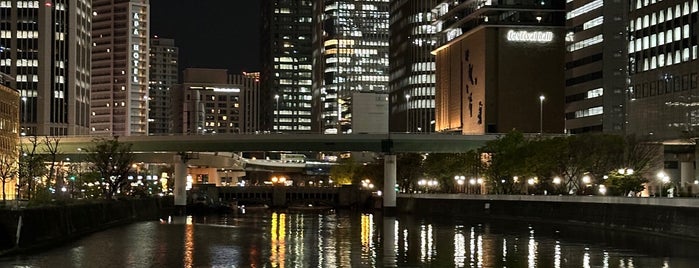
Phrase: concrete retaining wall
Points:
(665, 216)
(48, 225)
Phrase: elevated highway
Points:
(391, 143)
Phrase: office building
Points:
(500, 67)
(163, 75)
(210, 102)
(9, 131)
(286, 49)
(252, 111)
(350, 41)
(411, 65)
(663, 69)
(45, 47)
(119, 101)
(596, 66)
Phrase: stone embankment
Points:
(31, 228)
(676, 217)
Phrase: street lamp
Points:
(276, 98)
(407, 113)
(664, 178)
(541, 114)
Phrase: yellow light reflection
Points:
(586, 258)
(188, 243)
(278, 243)
(367, 232)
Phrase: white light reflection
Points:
(504, 249)
(405, 241)
(586, 258)
(480, 250)
(396, 236)
(472, 247)
(666, 264)
(605, 259)
(426, 243)
(531, 257)
(459, 247)
(557, 255)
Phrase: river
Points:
(266, 238)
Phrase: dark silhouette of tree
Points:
(112, 160)
(31, 165)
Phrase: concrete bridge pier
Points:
(180, 176)
(389, 184)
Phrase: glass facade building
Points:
(163, 74)
(596, 66)
(663, 89)
(286, 65)
(412, 66)
(45, 47)
(351, 55)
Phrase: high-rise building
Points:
(210, 102)
(596, 66)
(120, 67)
(250, 83)
(500, 66)
(286, 64)
(45, 47)
(350, 55)
(663, 89)
(411, 65)
(163, 75)
(9, 129)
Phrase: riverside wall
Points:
(50, 225)
(677, 217)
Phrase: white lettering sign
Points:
(529, 37)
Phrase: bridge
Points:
(172, 147)
(390, 142)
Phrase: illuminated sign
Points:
(529, 37)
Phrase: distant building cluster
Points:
(373, 66)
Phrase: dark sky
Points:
(222, 34)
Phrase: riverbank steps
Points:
(32, 228)
(672, 217)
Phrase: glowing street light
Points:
(664, 178)
(407, 113)
(541, 114)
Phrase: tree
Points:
(8, 171)
(112, 160)
(31, 165)
(444, 166)
(345, 171)
(507, 163)
(409, 169)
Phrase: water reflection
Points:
(341, 239)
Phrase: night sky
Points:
(221, 34)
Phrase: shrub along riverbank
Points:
(35, 227)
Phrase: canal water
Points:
(352, 239)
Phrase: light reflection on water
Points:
(343, 239)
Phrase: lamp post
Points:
(407, 113)
(664, 178)
(276, 98)
(541, 114)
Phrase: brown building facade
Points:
(490, 79)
